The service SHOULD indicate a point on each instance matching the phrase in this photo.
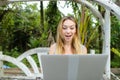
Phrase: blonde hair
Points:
(76, 44)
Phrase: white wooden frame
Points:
(37, 71)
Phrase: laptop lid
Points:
(73, 67)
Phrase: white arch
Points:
(110, 5)
(17, 63)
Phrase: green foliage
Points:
(89, 25)
(13, 52)
(76, 9)
(52, 16)
(34, 42)
(115, 42)
(115, 62)
(0, 48)
(115, 51)
(18, 25)
(115, 32)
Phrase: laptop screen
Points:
(73, 67)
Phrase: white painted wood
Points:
(33, 51)
(33, 64)
(92, 51)
(38, 51)
(1, 66)
(17, 63)
(110, 5)
(115, 77)
(106, 41)
(28, 55)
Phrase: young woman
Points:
(68, 39)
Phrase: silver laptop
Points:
(73, 67)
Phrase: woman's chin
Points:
(68, 39)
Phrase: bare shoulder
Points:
(84, 49)
(52, 48)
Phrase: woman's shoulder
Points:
(82, 46)
(84, 49)
(53, 45)
(52, 48)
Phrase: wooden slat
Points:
(33, 51)
(17, 63)
(33, 64)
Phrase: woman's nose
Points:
(68, 30)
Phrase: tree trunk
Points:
(42, 15)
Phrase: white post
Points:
(1, 66)
(106, 41)
(92, 51)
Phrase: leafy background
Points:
(24, 26)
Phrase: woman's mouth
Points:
(68, 35)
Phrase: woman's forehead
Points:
(68, 22)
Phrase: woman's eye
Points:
(71, 28)
(64, 28)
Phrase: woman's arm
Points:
(52, 49)
(84, 50)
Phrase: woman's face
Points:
(68, 30)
